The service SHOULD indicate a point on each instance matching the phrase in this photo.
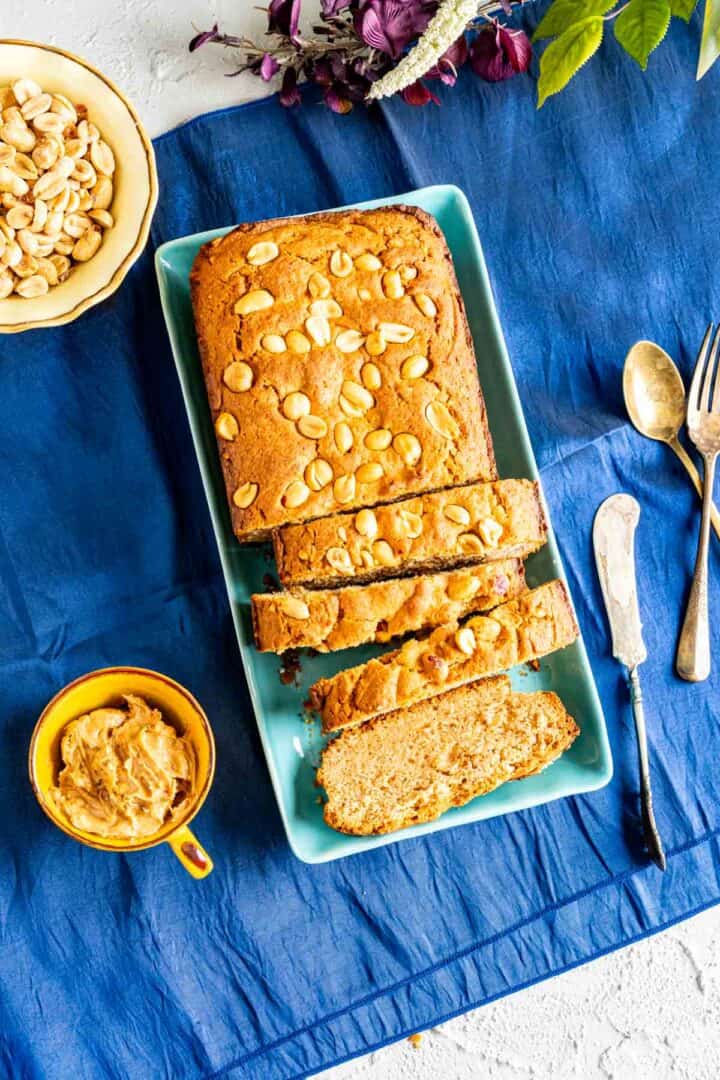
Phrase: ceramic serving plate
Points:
(291, 744)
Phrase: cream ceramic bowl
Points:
(135, 180)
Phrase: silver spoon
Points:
(655, 400)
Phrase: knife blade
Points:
(614, 542)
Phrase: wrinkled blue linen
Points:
(600, 221)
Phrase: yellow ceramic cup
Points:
(178, 707)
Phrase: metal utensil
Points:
(614, 544)
(655, 400)
(703, 421)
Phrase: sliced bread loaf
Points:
(414, 764)
(329, 619)
(534, 624)
(454, 527)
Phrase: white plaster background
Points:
(649, 1012)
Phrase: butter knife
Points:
(614, 542)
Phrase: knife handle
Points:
(650, 831)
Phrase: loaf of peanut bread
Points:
(534, 624)
(414, 764)
(339, 365)
(329, 619)
(454, 527)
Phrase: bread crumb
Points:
(415, 1041)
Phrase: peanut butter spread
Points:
(125, 772)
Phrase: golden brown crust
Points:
(534, 624)
(457, 526)
(414, 764)
(329, 619)
(288, 458)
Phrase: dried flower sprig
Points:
(359, 48)
(364, 50)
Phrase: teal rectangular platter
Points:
(292, 745)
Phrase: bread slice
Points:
(454, 527)
(414, 764)
(329, 619)
(536, 623)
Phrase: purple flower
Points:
(268, 67)
(289, 93)
(498, 53)
(390, 25)
(418, 94)
(450, 63)
(201, 39)
(284, 17)
(343, 81)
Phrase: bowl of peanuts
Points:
(78, 186)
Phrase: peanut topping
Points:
(344, 488)
(340, 560)
(226, 426)
(369, 473)
(273, 343)
(357, 395)
(371, 377)
(319, 329)
(408, 273)
(490, 531)
(462, 589)
(366, 523)
(368, 261)
(411, 524)
(295, 608)
(457, 514)
(408, 447)
(318, 474)
(439, 418)
(296, 493)
(318, 285)
(383, 553)
(257, 300)
(375, 344)
(414, 367)
(297, 342)
(264, 251)
(238, 376)
(379, 439)
(393, 286)
(364, 294)
(349, 341)
(340, 264)
(343, 437)
(465, 640)
(486, 629)
(312, 427)
(425, 304)
(328, 309)
(245, 495)
(296, 405)
(470, 544)
(396, 332)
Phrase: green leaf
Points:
(565, 13)
(564, 57)
(682, 8)
(710, 41)
(641, 26)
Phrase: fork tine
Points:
(693, 398)
(716, 392)
(710, 372)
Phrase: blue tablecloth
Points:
(600, 220)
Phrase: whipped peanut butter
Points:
(126, 772)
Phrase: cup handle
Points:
(190, 852)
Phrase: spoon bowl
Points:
(654, 392)
(654, 395)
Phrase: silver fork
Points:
(703, 423)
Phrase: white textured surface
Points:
(650, 1012)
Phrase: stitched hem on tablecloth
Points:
(468, 950)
